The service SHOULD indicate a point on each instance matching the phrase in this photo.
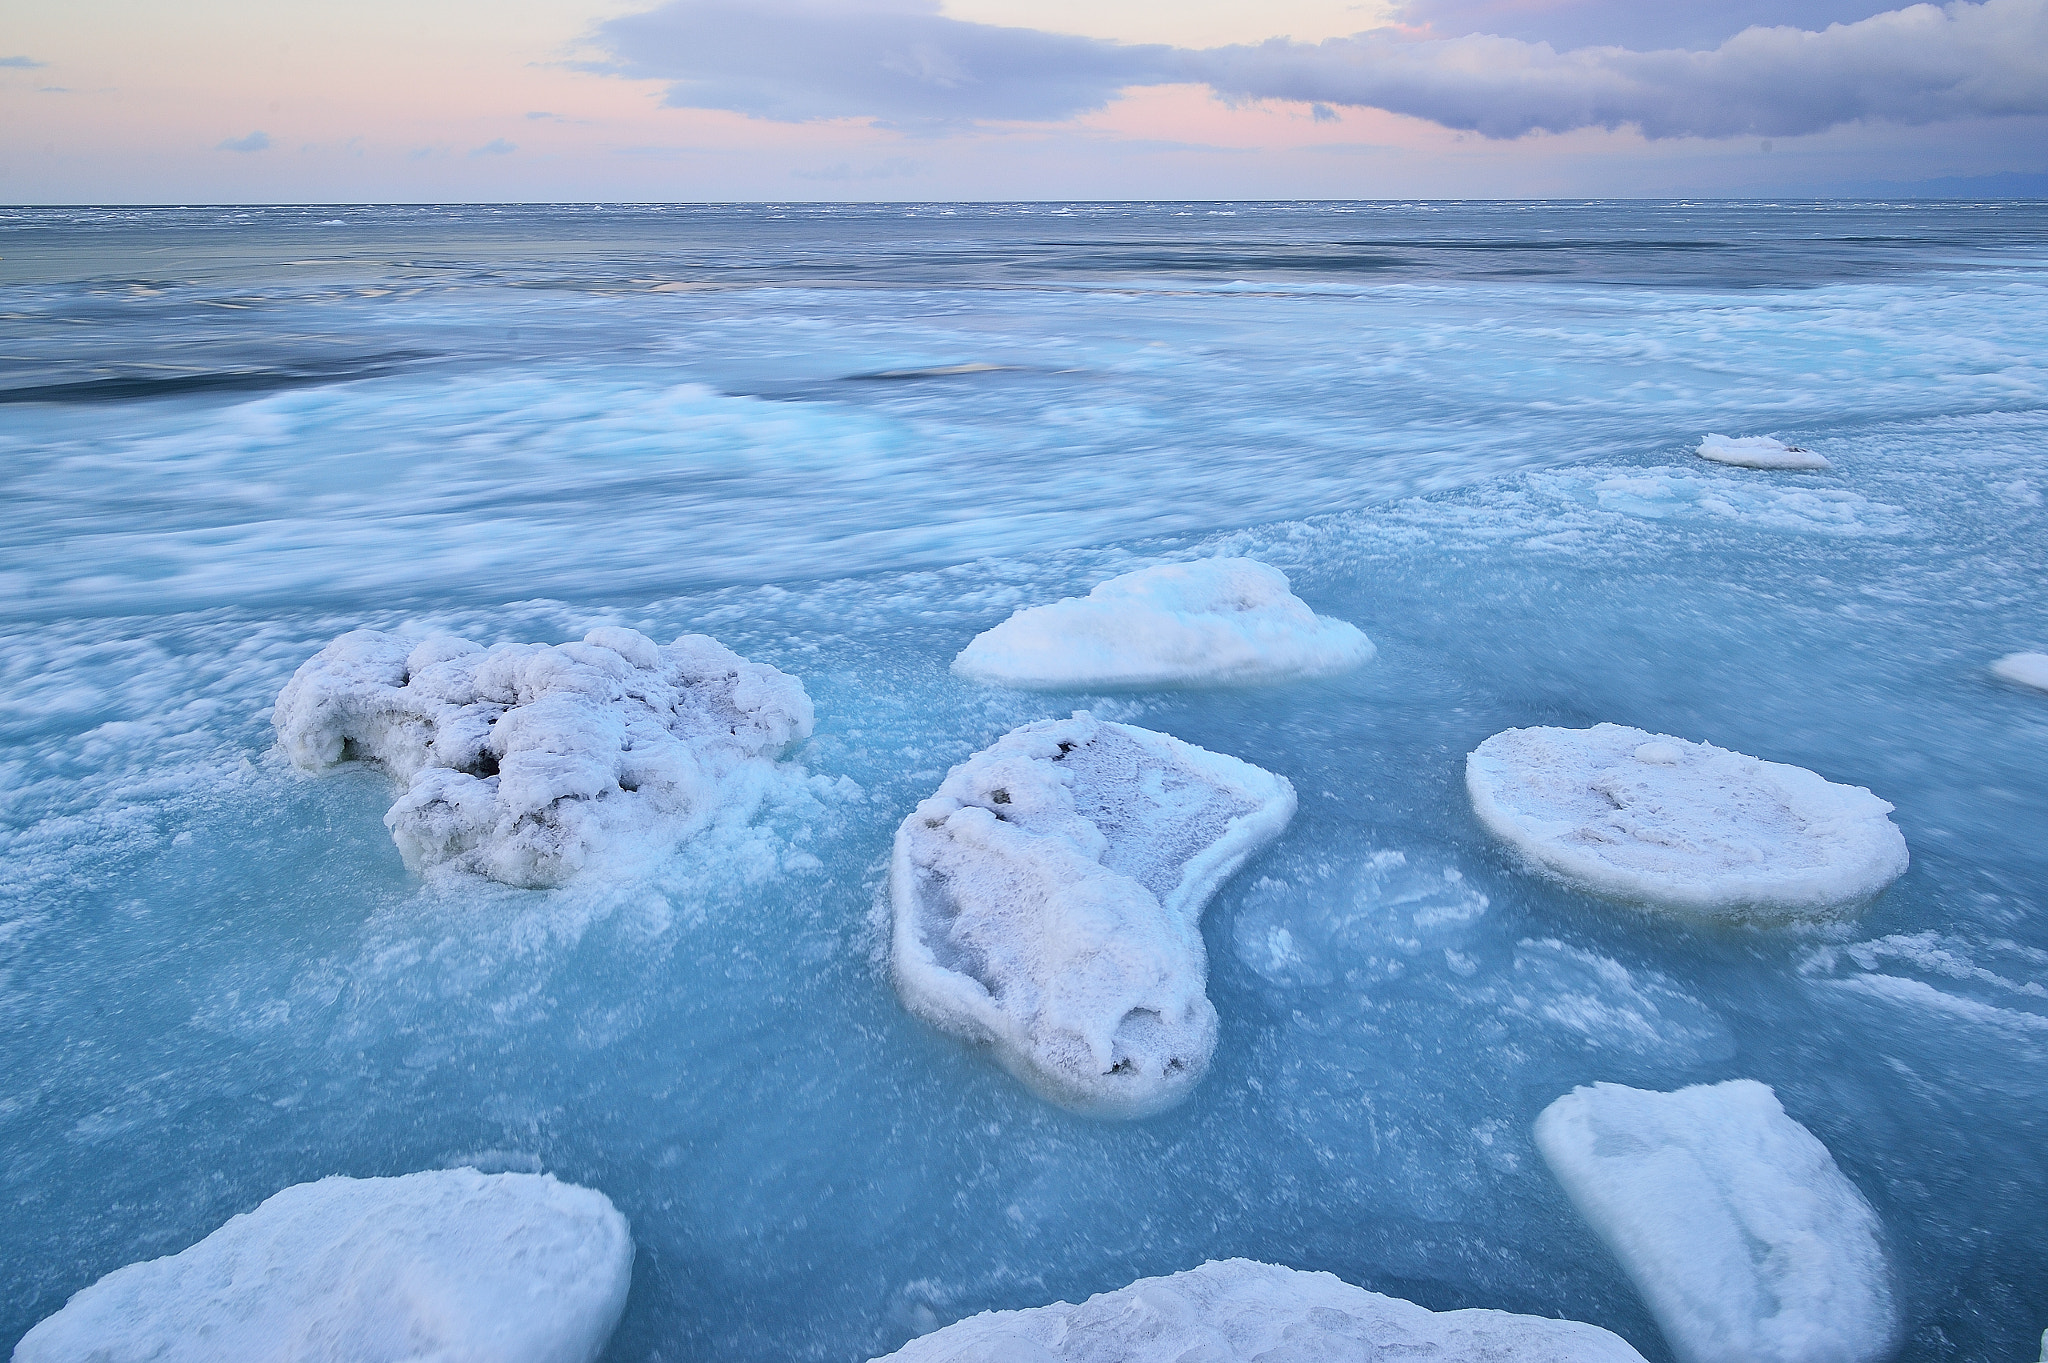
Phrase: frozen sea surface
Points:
(232, 436)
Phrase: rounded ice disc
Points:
(1688, 827)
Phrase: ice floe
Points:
(1210, 622)
(2024, 669)
(1744, 1239)
(447, 1265)
(1684, 826)
(1236, 1311)
(1048, 900)
(525, 762)
(1759, 452)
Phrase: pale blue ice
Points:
(1465, 429)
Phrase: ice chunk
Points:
(1212, 622)
(1236, 1311)
(1683, 826)
(1745, 1240)
(2027, 669)
(1759, 452)
(446, 1265)
(524, 762)
(1048, 900)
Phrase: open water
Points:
(228, 435)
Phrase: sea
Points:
(845, 439)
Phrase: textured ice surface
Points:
(452, 1266)
(1238, 1311)
(1684, 826)
(1215, 621)
(2025, 669)
(1734, 1223)
(1048, 900)
(1759, 452)
(528, 762)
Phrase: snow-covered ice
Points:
(1237, 1311)
(1685, 826)
(1210, 622)
(2025, 669)
(1759, 452)
(1745, 1240)
(525, 762)
(1048, 900)
(450, 1265)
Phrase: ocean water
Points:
(228, 435)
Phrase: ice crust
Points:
(1048, 898)
(1211, 622)
(528, 762)
(1238, 1311)
(1744, 1239)
(1688, 827)
(2024, 669)
(449, 1266)
(1759, 452)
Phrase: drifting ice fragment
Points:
(1212, 622)
(1237, 1311)
(451, 1264)
(523, 761)
(1733, 1222)
(2026, 669)
(1759, 452)
(1684, 826)
(1048, 900)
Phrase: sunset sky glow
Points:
(574, 100)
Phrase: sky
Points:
(331, 101)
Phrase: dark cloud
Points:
(1644, 25)
(1916, 65)
(22, 63)
(256, 141)
(901, 61)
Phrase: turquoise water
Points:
(231, 435)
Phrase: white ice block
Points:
(1211, 622)
(1683, 826)
(1744, 1239)
(2023, 669)
(528, 762)
(1239, 1311)
(1048, 901)
(450, 1266)
(1759, 452)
